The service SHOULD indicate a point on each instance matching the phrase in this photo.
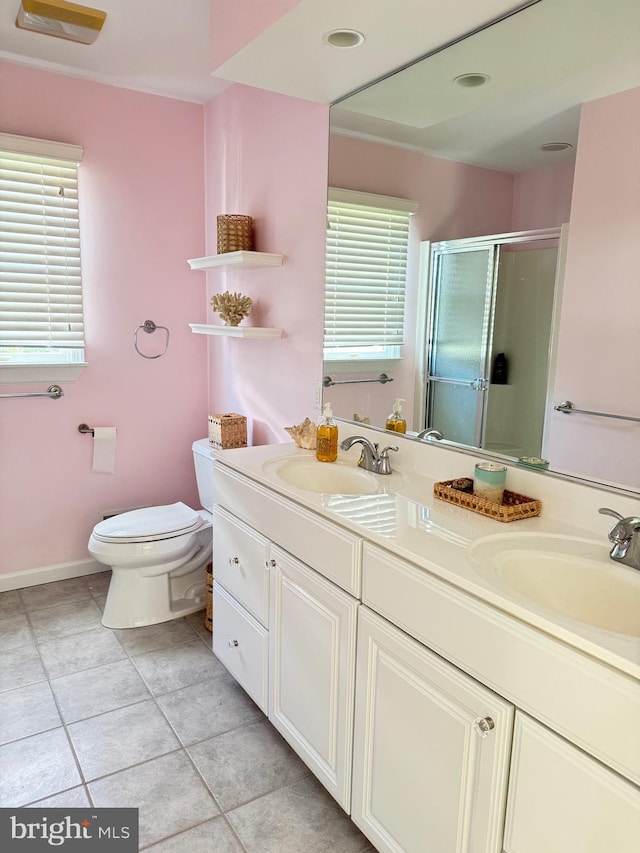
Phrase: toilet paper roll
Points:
(104, 450)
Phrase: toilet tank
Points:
(204, 472)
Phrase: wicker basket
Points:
(235, 233)
(208, 617)
(513, 506)
(227, 430)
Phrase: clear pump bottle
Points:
(396, 421)
(327, 442)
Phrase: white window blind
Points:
(40, 276)
(366, 271)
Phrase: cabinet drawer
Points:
(584, 700)
(239, 563)
(561, 799)
(242, 645)
(324, 546)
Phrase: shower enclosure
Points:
(490, 312)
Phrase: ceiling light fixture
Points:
(61, 19)
(471, 80)
(555, 146)
(343, 38)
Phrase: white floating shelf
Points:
(243, 259)
(235, 331)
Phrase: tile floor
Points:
(149, 718)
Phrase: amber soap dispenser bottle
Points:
(327, 442)
(396, 421)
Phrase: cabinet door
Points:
(431, 749)
(563, 801)
(312, 639)
(239, 563)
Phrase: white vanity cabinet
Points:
(562, 798)
(431, 748)
(312, 640)
(439, 722)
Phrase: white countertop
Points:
(405, 518)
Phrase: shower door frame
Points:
(468, 244)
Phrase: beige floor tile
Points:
(208, 708)
(120, 739)
(167, 791)
(246, 763)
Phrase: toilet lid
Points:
(148, 524)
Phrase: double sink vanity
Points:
(456, 684)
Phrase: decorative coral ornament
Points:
(232, 307)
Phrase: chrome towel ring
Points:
(149, 327)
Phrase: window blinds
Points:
(366, 269)
(40, 280)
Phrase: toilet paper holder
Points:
(85, 428)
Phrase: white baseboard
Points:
(48, 574)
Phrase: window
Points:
(40, 277)
(365, 278)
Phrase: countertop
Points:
(406, 519)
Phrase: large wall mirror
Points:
(519, 145)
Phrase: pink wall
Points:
(142, 213)
(599, 349)
(266, 157)
(542, 197)
(234, 25)
(455, 200)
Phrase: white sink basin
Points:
(329, 478)
(569, 576)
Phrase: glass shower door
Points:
(460, 329)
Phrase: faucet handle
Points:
(606, 511)
(385, 450)
(384, 463)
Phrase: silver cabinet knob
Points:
(483, 725)
(234, 561)
(233, 644)
(270, 564)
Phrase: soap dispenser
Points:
(396, 421)
(327, 441)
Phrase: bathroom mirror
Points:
(463, 131)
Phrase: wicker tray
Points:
(513, 508)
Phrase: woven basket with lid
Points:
(235, 233)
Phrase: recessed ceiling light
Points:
(555, 146)
(61, 19)
(472, 80)
(343, 38)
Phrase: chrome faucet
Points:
(625, 537)
(430, 432)
(370, 459)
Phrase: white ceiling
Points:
(543, 63)
(162, 47)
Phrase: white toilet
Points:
(158, 555)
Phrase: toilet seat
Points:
(150, 524)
